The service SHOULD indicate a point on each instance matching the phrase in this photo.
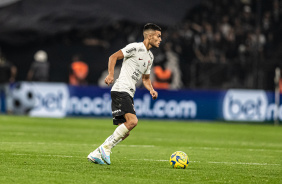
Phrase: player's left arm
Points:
(111, 66)
(148, 85)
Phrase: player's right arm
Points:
(111, 66)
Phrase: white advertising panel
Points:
(245, 105)
(50, 100)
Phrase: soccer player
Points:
(137, 62)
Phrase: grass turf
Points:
(39, 150)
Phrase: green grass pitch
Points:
(42, 150)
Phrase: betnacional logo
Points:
(245, 105)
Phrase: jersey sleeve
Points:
(129, 50)
(148, 71)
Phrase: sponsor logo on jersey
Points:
(140, 59)
(130, 50)
(144, 64)
(151, 56)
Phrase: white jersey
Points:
(136, 62)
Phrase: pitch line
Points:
(44, 143)
(241, 163)
(62, 156)
(230, 163)
(247, 149)
(146, 146)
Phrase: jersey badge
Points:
(148, 64)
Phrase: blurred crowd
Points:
(220, 44)
(229, 39)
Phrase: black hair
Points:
(151, 26)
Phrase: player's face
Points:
(156, 39)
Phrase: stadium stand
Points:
(218, 44)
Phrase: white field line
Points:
(241, 163)
(61, 156)
(67, 144)
(235, 143)
(228, 163)
(245, 149)
(145, 146)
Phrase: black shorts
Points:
(122, 103)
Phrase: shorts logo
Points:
(116, 111)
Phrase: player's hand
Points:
(109, 79)
(154, 94)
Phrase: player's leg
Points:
(124, 116)
(126, 134)
(105, 149)
(96, 156)
(121, 138)
(108, 144)
(131, 121)
(120, 133)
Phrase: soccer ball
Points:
(23, 98)
(179, 160)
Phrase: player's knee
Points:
(133, 122)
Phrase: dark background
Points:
(96, 29)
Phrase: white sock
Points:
(117, 142)
(116, 137)
(110, 137)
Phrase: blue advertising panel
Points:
(230, 105)
(181, 104)
(60, 100)
(89, 101)
(95, 101)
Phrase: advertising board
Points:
(60, 100)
